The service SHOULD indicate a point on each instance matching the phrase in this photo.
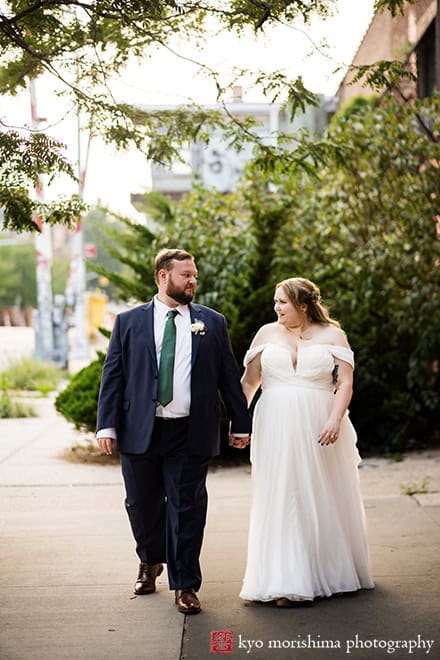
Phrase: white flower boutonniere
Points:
(198, 327)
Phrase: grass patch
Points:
(33, 375)
(9, 408)
(416, 488)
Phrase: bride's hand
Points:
(330, 432)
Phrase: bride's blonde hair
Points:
(304, 292)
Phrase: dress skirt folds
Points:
(307, 526)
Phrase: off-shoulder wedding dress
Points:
(307, 524)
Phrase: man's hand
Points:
(239, 442)
(107, 445)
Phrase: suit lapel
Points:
(148, 322)
(196, 313)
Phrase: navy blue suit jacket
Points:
(128, 392)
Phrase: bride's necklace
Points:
(302, 334)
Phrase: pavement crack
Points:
(182, 640)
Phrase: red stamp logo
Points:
(221, 641)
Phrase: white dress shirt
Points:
(181, 402)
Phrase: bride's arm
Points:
(341, 400)
(251, 379)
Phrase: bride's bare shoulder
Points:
(336, 336)
(265, 334)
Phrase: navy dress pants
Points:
(166, 501)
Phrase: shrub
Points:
(78, 401)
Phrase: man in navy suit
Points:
(166, 445)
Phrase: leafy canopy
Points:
(365, 228)
(84, 44)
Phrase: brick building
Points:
(410, 38)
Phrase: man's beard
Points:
(182, 297)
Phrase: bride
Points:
(307, 523)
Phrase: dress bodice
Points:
(314, 364)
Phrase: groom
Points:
(159, 404)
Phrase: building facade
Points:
(216, 164)
(413, 38)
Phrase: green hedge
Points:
(78, 402)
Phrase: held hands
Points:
(107, 445)
(330, 432)
(239, 442)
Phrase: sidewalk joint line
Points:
(74, 485)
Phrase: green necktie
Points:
(166, 367)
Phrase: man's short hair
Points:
(165, 258)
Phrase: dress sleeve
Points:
(345, 354)
(252, 352)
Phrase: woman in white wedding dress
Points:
(307, 525)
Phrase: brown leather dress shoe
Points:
(146, 580)
(187, 601)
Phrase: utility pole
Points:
(44, 341)
(76, 285)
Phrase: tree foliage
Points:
(84, 45)
(369, 235)
(24, 158)
(207, 224)
(94, 223)
(394, 6)
(18, 274)
(365, 229)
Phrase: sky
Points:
(313, 52)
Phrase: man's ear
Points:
(162, 275)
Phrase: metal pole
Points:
(77, 277)
(44, 343)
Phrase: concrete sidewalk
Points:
(68, 565)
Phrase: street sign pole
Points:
(44, 343)
(76, 286)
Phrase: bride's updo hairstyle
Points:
(304, 292)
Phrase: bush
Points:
(78, 402)
(28, 374)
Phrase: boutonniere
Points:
(198, 327)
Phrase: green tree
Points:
(96, 220)
(17, 275)
(367, 234)
(84, 44)
(23, 160)
(211, 226)
(363, 228)
(9, 280)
